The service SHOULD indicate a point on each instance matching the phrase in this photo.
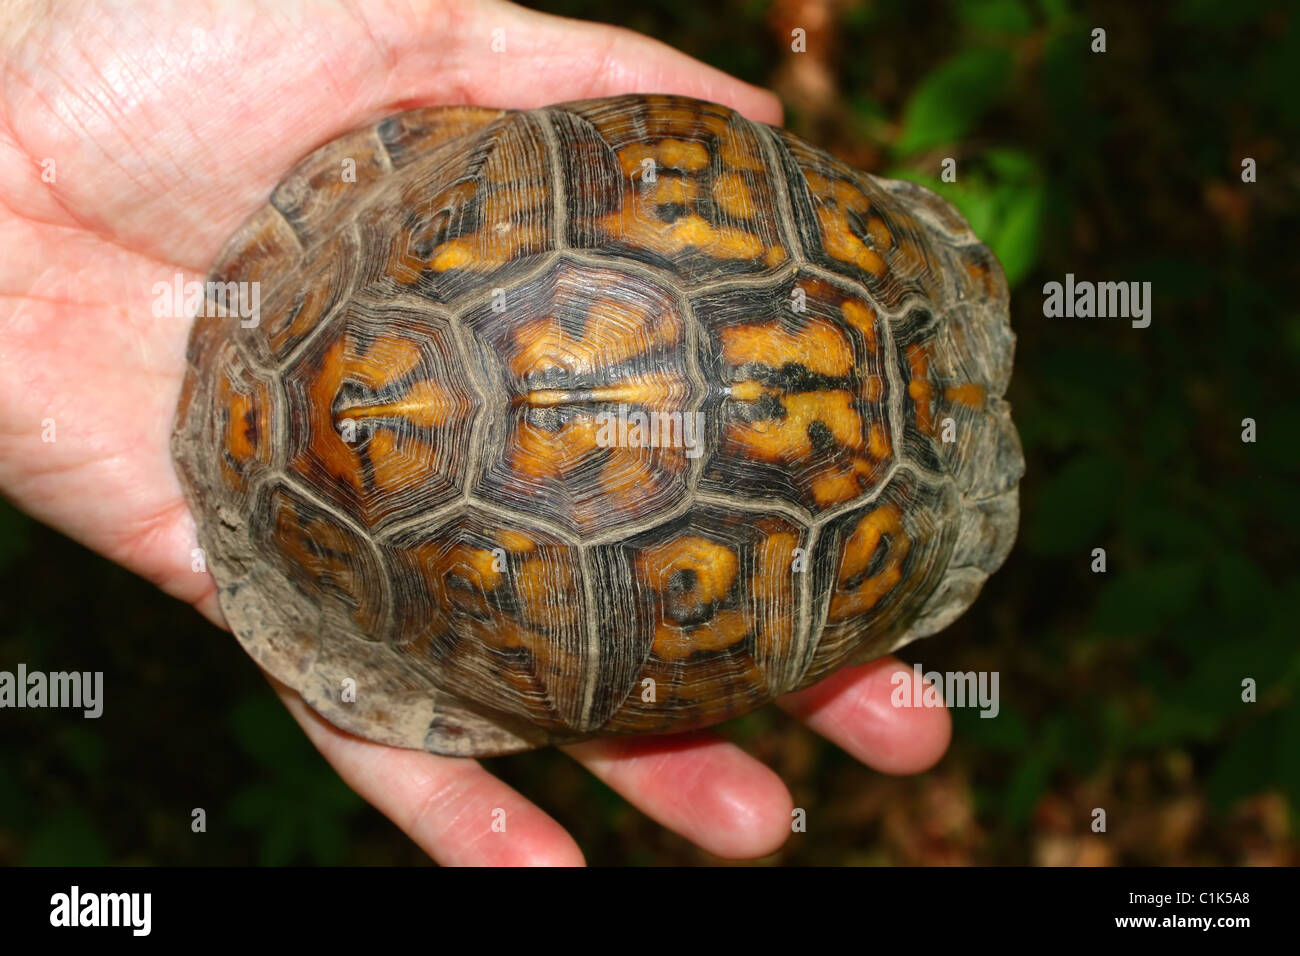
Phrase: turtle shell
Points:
(619, 416)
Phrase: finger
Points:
(447, 805)
(855, 709)
(522, 58)
(697, 785)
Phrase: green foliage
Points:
(996, 16)
(300, 807)
(1073, 509)
(68, 838)
(951, 100)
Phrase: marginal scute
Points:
(414, 136)
(621, 416)
(329, 184)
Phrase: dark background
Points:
(1119, 690)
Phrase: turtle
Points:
(619, 416)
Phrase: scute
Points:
(565, 349)
(382, 412)
(707, 610)
(800, 404)
(492, 611)
(615, 417)
(675, 183)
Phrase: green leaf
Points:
(1015, 240)
(1011, 165)
(68, 839)
(1142, 599)
(1245, 765)
(951, 100)
(1026, 787)
(84, 750)
(1071, 513)
(996, 16)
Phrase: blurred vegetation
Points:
(1119, 690)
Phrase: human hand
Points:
(159, 130)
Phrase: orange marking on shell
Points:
(820, 346)
(919, 387)
(541, 454)
(970, 395)
(858, 553)
(628, 474)
(653, 391)
(391, 468)
(425, 404)
(725, 629)
(541, 583)
(320, 549)
(457, 254)
(643, 228)
(879, 233)
(740, 152)
(786, 439)
(668, 153)
(838, 483)
(339, 458)
(516, 541)
(616, 330)
(731, 193)
(877, 442)
(386, 360)
(666, 189)
(247, 418)
(544, 586)
(714, 568)
(773, 580)
(863, 318)
(714, 565)
(841, 243)
(239, 442)
(476, 566)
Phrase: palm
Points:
(165, 131)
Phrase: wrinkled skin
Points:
(167, 129)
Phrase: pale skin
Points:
(162, 130)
